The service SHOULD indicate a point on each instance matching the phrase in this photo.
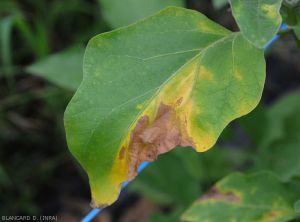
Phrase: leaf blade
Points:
(145, 69)
(258, 20)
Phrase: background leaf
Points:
(162, 180)
(297, 30)
(249, 124)
(218, 4)
(297, 206)
(63, 68)
(278, 113)
(238, 197)
(258, 20)
(6, 25)
(123, 13)
(280, 149)
(163, 218)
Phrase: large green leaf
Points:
(120, 13)
(244, 198)
(63, 68)
(259, 20)
(174, 79)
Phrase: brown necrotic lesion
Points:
(149, 139)
(216, 194)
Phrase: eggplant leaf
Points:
(259, 20)
(174, 79)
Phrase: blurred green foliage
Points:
(59, 68)
(5, 42)
(218, 4)
(297, 206)
(123, 13)
(280, 148)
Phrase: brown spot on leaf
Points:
(122, 153)
(148, 140)
(215, 194)
(179, 101)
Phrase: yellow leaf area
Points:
(189, 110)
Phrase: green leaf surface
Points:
(174, 79)
(63, 68)
(244, 198)
(123, 13)
(280, 150)
(258, 20)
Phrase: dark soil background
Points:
(38, 175)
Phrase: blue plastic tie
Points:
(282, 27)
